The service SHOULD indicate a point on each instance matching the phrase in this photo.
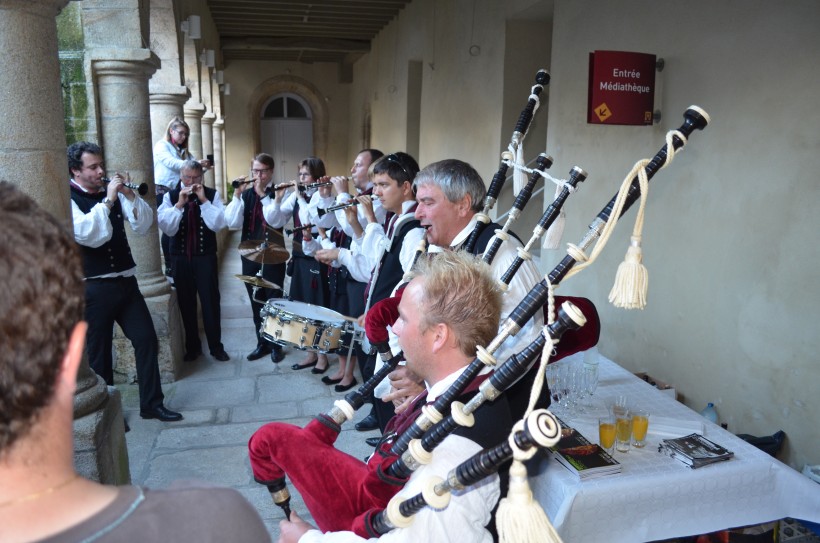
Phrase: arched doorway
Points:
(286, 133)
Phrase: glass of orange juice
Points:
(623, 430)
(640, 425)
(606, 433)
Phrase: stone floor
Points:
(224, 403)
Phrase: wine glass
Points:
(591, 372)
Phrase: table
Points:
(655, 496)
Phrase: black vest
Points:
(261, 230)
(113, 256)
(205, 238)
(487, 233)
(391, 272)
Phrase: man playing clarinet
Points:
(438, 328)
(112, 295)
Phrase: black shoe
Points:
(345, 388)
(320, 371)
(222, 356)
(277, 355)
(328, 381)
(191, 356)
(259, 352)
(367, 423)
(162, 413)
(302, 366)
(373, 441)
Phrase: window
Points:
(286, 106)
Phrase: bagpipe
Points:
(388, 470)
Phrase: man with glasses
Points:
(190, 215)
(111, 291)
(245, 212)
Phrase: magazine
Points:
(584, 459)
(694, 450)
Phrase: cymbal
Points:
(263, 252)
(255, 281)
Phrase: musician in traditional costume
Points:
(439, 328)
(245, 212)
(308, 278)
(99, 213)
(170, 153)
(449, 194)
(190, 215)
(356, 276)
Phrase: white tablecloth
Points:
(657, 497)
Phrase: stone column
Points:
(121, 77)
(122, 85)
(208, 145)
(165, 104)
(220, 182)
(35, 160)
(193, 116)
(32, 133)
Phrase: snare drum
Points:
(301, 325)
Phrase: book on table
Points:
(584, 459)
(694, 450)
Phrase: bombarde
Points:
(516, 141)
(142, 188)
(322, 212)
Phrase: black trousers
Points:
(119, 300)
(275, 273)
(198, 276)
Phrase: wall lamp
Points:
(208, 58)
(192, 27)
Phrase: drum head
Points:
(315, 313)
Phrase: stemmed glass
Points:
(591, 372)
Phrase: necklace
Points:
(37, 495)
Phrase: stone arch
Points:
(302, 88)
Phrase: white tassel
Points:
(552, 240)
(519, 518)
(631, 280)
(519, 175)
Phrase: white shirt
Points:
(235, 210)
(522, 282)
(343, 198)
(168, 161)
(462, 520)
(279, 213)
(375, 241)
(169, 216)
(94, 228)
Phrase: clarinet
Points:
(543, 162)
(540, 429)
(576, 175)
(541, 78)
(695, 118)
(569, 318)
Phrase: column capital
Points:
(168, 95)
(120, 61)
(219, 123)
(208, 119)
(194, 110)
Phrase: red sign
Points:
(621, 88)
